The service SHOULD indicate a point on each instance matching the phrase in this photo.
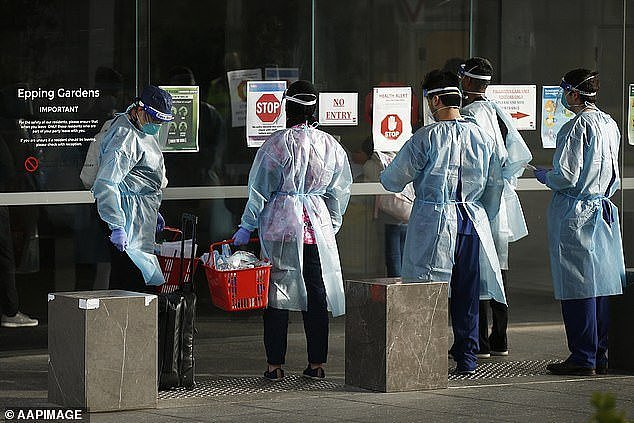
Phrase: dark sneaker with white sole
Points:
(500, 353)
(274, 375)
(316, 374)
(20, 320)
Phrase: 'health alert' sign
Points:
(265, 112)
(391, 117)
(338, 109)
(519, 101)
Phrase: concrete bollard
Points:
(102, 349)
(396, 335)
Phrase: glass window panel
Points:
(65, 67)
(217, 37)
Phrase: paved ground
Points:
(229, 350)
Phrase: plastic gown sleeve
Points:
(568, 160)
(492, 194)
(265, 178)
(337, 194)
(115, 164)
(518, 153)
(405, 167)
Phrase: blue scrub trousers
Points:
(465, 299)
(587, 321)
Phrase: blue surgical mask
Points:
(151, 128)
(564, 102)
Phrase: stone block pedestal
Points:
(102, 350)
(396, 335)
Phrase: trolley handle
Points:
(219, 243)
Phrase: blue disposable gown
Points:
(509, 225)
(128, 191)
(431, 159)
(295, 169)
(586, 253)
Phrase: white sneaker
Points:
(20, 320)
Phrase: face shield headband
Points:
(156, 114)
(568, 87)
(444, 91)
(462, 72)
(294, 99)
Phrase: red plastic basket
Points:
(237, 290)
(171, 268)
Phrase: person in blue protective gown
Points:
(586, 251)
(509, 224)
(299, 187)
(457, 178)
(128, 189)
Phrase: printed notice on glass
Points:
(391, 117)
(338, 109)
(265, 112)
(554, 115)
(630, 116)
(520, 101)
(238, 93)
(181, 134)
(289, 75)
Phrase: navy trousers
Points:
(394, 245)
(315, 318)
(587, 321)
(465, 296)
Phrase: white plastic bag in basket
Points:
(173, 249)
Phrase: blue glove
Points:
(241, 237)
(160, 223)
(119, 238)
(540, 174)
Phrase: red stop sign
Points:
(392, 127)
(267, 108)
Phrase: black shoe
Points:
(463, 372)
(316, 374)
(602, 369)
(274, 375)
(567, 368)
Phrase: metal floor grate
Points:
(225, 385)
(240, 385)
(506, 369)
